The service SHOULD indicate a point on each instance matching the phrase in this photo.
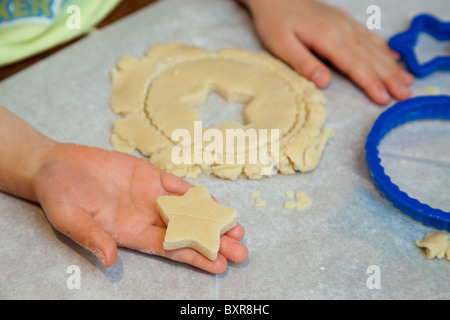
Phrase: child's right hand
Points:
(104, 199)
(101, 199)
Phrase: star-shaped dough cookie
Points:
(195, 221)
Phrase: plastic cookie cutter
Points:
(420, 108)
(405, 42)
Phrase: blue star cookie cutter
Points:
(405, 42)
(419, 108)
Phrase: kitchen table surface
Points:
(350, 243)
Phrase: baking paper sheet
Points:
(323, 252)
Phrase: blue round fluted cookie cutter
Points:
(405, 42)
(420, 108)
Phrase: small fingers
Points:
(237, 232)
(293, 52)
(376, 73)
(232, 249)
(196, 259)
(395, 78)
(350, 60)
(365, 58)
(150, 240)
(384, 62)
(378, 42)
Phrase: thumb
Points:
(81, 228)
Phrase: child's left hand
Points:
(294, 29)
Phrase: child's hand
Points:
(104, 199)
(293, 29)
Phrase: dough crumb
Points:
(289, 205)
(193, 173)
(257, 193)
(302, 201)
(290, 194)
(430, 90)
(436, 245)
(260, 203)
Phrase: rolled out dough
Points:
(161, 93)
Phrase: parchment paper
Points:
(323, 252)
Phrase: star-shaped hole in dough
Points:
(195, 221)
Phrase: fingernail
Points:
(383, 95)
(406, 92)
(101, 257)
(319, 78)
(409, 79)
(99, 254)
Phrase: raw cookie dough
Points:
(436, 244)
(289, 205)
(161, 93)
(302, 200)
(290, 193)
(195, 221)
(431, 90)
(260, 203)
(256, 193)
